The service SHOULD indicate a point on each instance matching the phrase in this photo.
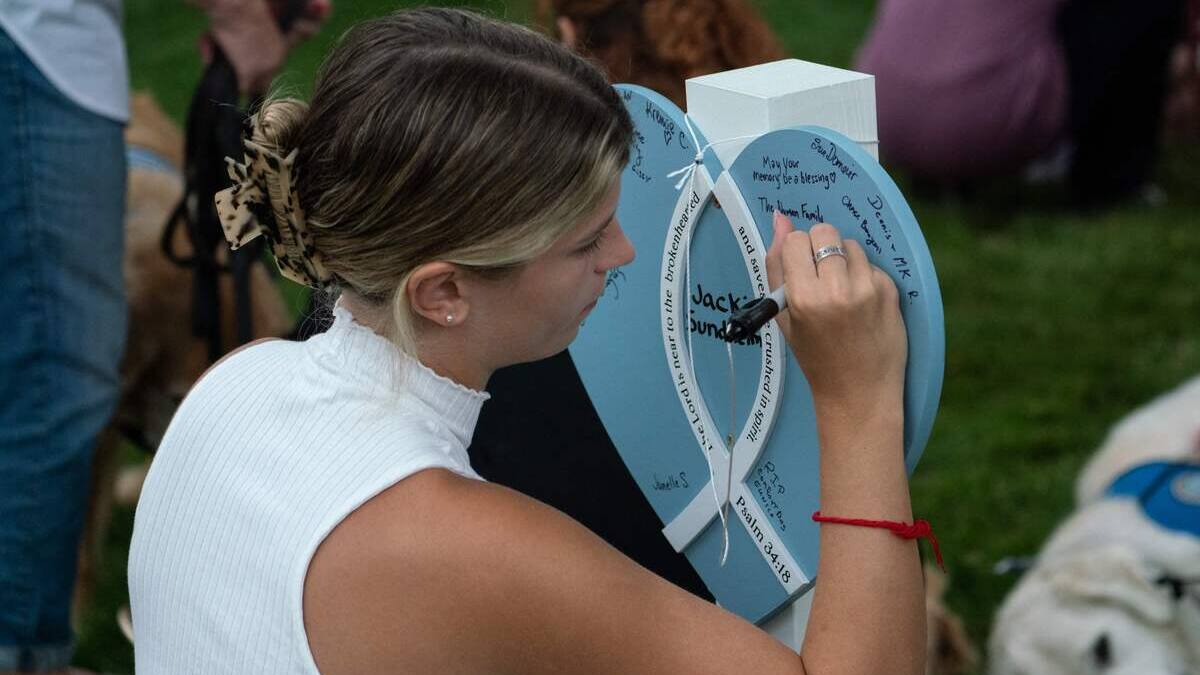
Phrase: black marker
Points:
(755, 314)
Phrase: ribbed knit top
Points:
(266, 455)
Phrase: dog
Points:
(1116, 588)
(948, 649)
(162, 358)
(1166, 428)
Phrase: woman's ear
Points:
(567, 33)
(435, 292)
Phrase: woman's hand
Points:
(248, 33)
(843, 318)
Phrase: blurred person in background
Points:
(539, 434)
(64, 99)
(660, 43)
(969, 89)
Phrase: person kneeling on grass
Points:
(311, 508)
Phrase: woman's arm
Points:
(441, 574)
(449, 575)
(844, 325)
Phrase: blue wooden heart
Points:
(669, 391)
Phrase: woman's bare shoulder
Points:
(426, 558)
(441, 573)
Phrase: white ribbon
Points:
(675, 280)
(689, 174)
(689, 171)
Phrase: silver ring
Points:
(826, 251)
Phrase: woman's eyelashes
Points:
(594, 244)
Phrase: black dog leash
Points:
(214, 131)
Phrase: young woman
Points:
(312, 509)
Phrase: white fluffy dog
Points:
(1113, 592)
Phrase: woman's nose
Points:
(622, 252)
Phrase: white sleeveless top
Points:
(77, 45)
(266, 455)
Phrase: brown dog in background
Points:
(162, 358)
(949, 650)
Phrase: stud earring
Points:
(449, 319)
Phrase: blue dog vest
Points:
(1168, 492)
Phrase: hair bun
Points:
(263, 199)
(277, 124)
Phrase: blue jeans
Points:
(62, 195)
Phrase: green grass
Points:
(1056, 324)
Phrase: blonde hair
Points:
(439, 134)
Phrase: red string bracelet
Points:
(919, 529)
